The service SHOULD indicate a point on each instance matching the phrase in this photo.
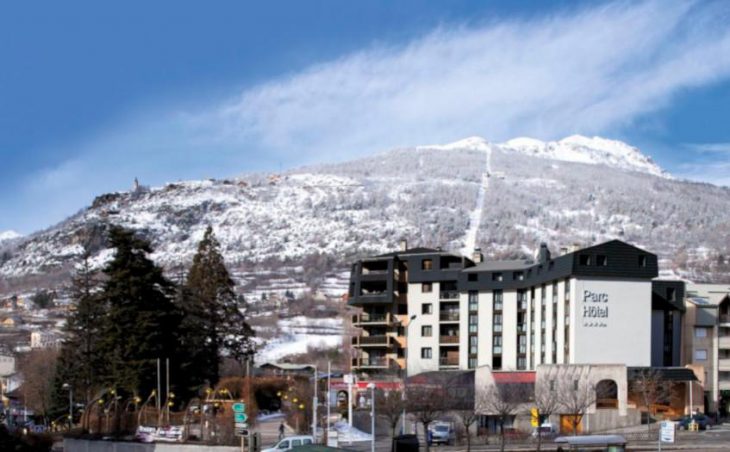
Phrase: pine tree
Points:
(214, 322)
(80, 357)
(142, 324)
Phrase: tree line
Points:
(130, 315)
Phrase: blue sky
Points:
(93, 94)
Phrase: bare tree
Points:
(426, 402)
(389, 404)
(576, 396)
(503, 401)
(547, 402)
(652, 389)
(467, 417)
(38, 368)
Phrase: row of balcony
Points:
(372, 341)
(375, 362)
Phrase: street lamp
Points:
(371, 386)
(70, 390)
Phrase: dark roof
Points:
(665, 373)
(517, 264)
(418, 250)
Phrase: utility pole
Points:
(327, 398)
(167, 388)
(314, 406)
(371, 385)
(159, 393)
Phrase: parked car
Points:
(442, 433)
(703, 422)
(546, 430)
(290, 442)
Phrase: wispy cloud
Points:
(709, 148)
(592, 71)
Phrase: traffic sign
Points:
(239, 407)
(239, 417)
(666, 434)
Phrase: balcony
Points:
(725, 319)
(449, 362)
(449, 295)
(371, 319)
(724, 342)
(371, 341)
(522, 328)
(723, 365)
(450, 340)
(449, 316)
(376, 362)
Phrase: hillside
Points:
(296, 233)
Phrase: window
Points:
(472, 277)
(472, 345)
(497, 362)
(284, 445)
(473, 300)
(496, 277)
(551, 265)
(671, 294)
(497, 300)
(296, 442)
(427, 264)
(426, 353)
(642, 261)
(701, 354)
(426, 308)
(521, 363)
(700, 331)
(472, 363)
(426, 287)
(307, 441)
(584, 259)
(518, 276)
(601, 260)
(426, 331)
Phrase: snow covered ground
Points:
(300, 333)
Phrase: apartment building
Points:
(427, 310)
(706, 338)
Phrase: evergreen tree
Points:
(142, 323)
(214, 322)
(80, 357)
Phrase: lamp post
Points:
(371, 386)
(70, 390)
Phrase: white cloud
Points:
(709, 148)
(591, 72)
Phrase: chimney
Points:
(544, 254)
(477, 256)
(403, 245)
(563, 250)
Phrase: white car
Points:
(442, 433)
(290, 442)
(546, 430)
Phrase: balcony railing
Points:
(377, 361)
(449, 316)
(368, 318)
(724, 342)
(724, 318)
(449, 339)
(522, 328)
(723, 364)
(449, 295)
(371, 341)
(445, 361)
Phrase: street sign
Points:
(238, 407)
(534, 417)
(666, 434)
(239, 418)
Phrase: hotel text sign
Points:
(595, 309)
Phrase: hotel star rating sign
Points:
(240, 418)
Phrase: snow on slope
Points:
(596, 151)
(575, 148)
(9, 235)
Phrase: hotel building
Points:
(425, 310)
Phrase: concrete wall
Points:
(78, 445)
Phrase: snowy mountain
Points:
(9, 235)
(506, 198)
(576, 148)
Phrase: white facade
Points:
(567, 321)
(44, 339)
